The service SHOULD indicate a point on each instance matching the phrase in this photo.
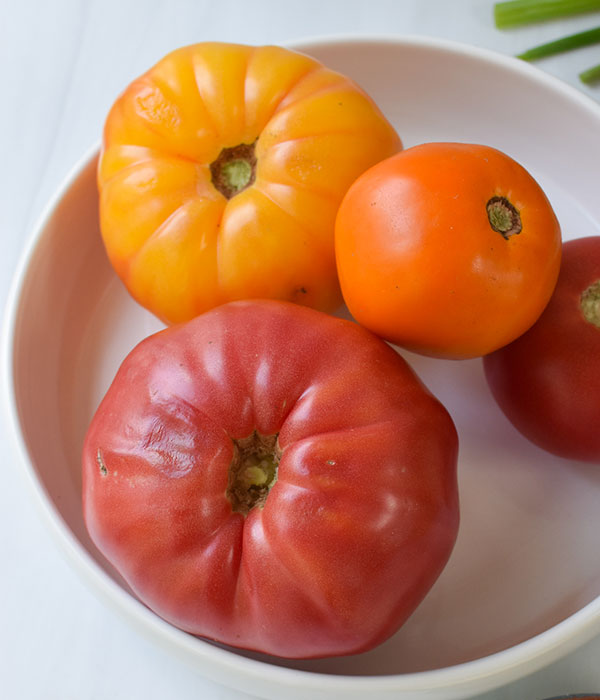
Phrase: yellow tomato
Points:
(221, 173)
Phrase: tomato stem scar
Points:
(503, 217)
(234, 169)
(590, 304)
(252, 472)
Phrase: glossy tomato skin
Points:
(179, 243)
(420, 264)
(359, 523)
(547, 382)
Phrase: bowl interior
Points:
(527, 552)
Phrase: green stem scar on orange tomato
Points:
(503, 217)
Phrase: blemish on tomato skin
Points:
(299, 294)
(101, 464)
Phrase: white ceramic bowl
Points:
(523, 584)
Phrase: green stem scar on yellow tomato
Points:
(234, 169)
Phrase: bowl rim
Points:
(491, 56)
(476, 675)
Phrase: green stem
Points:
(591, 75)
(237, 174)
(567, 43)
(517, 12)
(590, 304)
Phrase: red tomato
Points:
(547, 382)
(273, 478)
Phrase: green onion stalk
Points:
(514, 13)
(567, 43)
(591, 75)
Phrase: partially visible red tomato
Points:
(547, 382)
(273, 478)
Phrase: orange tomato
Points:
(447, 249)
(221, 173)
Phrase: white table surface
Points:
(62, 63)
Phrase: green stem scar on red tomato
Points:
(590, 303)
(273, 478)
(547, 382)
(252, 472)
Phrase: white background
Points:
(62, 63)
